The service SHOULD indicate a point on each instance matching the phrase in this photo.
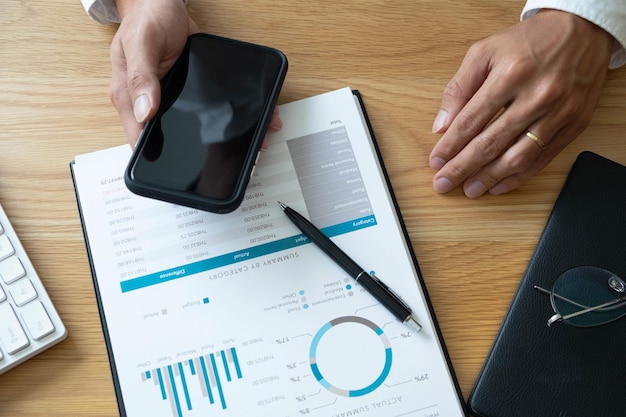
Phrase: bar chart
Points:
(209, 373)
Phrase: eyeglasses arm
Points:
(585, 309)
(560, 297)
(590, 309)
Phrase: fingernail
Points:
(436, 162)
(474, 189)
(442, 185)
(141, 108)
(499, 188)
(440, 121)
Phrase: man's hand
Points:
(149, 40)
(544, 76)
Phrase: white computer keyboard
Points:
(29, 323)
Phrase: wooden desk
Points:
(54, 74)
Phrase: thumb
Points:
(468, 79)
(142, 83)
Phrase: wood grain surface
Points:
(54, 76)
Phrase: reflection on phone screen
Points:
(212, 103)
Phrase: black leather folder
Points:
(562, 370)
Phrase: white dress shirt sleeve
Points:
(102, 11)
(610, 15)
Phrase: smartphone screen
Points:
(216, 105)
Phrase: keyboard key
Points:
(11, 333)
(29, 323)
(22, 292)
(11, 269)
(6, 249)
(37, 320)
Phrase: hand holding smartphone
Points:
(216, 105)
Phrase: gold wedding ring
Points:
(536, 139)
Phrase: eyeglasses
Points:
(587, 296)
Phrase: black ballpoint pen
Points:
(370, 282)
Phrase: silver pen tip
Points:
(413, 324)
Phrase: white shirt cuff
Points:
(103, 11)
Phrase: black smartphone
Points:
(216, 105)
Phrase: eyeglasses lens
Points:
(587, 287)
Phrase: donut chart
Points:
(380, 352)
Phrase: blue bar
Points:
(161, 384)
(241, 255)
(184, 382)
(192, 368)
(173, 382)
(218, 382)
(206, 380)
(237, 367)
(225, 363)
(148, 375)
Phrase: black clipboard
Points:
(541, 371)
(421, 283)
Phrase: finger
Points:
(484, 148)
(514, 160)
(476, 117)
(469, 77)
(558, 143)
(193, 27)
(119, 96)
(552, 132)
(276, 123)
(514, 181)
(142, 79)
(132, 128)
